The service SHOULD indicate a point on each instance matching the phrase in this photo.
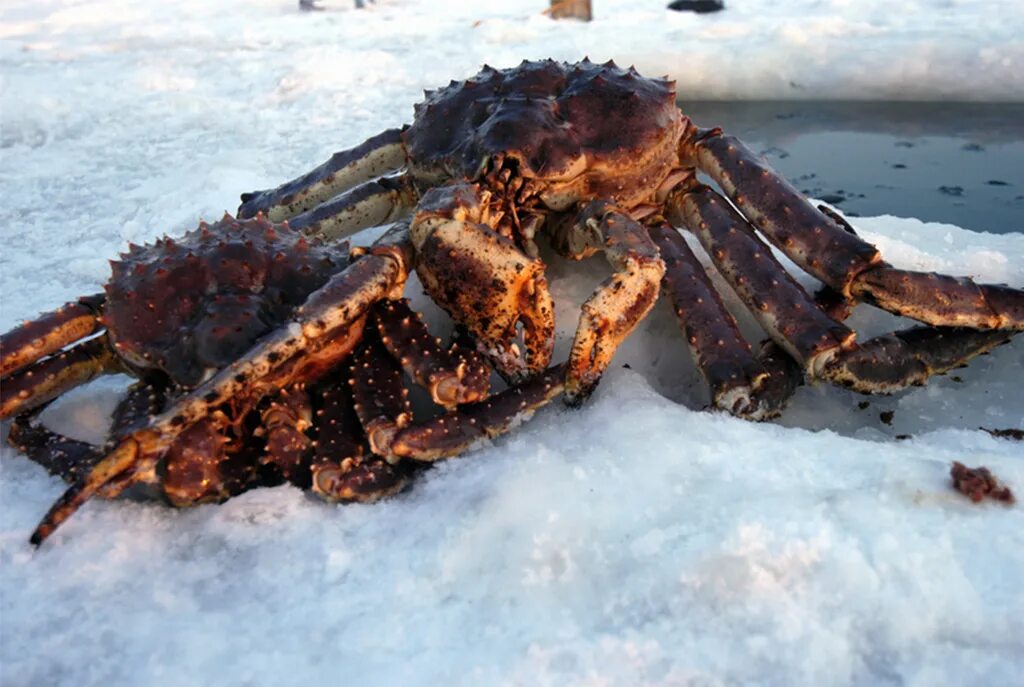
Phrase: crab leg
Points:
(69, 458)
(47, 379)
(840, 259)
(458, 430)
(370, 204)
(784, 373)
(779, 211)
(754, 387)
(284, 423)
(323, 331)
(58, 454)
(939, 299)
(621, 301)
(778, 302)
(49, 333)
(737, 379)
(378, 155)
(381, 400)
(825, 347)
(452, 376)
(909, 357)
(341, 469)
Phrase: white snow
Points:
(638, 541)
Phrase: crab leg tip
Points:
(362, 481)
(451, 389)
(120, 460)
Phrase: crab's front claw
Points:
(483, 279)
(621, 301)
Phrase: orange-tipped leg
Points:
(47, 379)
(620, 302)
(33, 367)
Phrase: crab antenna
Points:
(119, 461)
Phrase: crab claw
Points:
(483, 279)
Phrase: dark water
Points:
(961, 163)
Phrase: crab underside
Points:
(268, 352)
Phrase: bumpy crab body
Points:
(591, 158)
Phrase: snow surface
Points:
(638, 541)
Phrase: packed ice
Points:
(640, 540)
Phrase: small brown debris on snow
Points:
(977, 483)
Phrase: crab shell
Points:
(191, 306)
(570, 131)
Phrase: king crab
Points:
(596, 159)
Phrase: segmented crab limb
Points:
(452, 376)
(941, 300)
(323, 331)
(376, 156)
(782, 307)
(823, 247)
(48, 333)
(341, 469)
(886, 363)
(284, 422)
(483, 280)
(784, 373)
(381, 400)
(458, 430)
(909, 357)
(784, 377)
(931, 297)
(69, 458)
(58, 454)
(798, 324)
(370, 204)
(722, 355)
(621, 301)
(49, 378)
(121, 462)
(808, 236)
(142, 400)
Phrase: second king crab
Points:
(239, 329)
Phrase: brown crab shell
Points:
(192, 305)
(576, 131)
